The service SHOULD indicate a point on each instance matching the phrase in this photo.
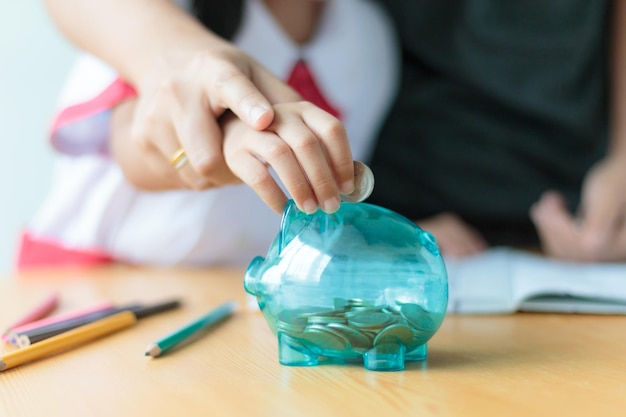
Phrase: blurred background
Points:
(34, 59)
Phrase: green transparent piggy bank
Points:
(361, 284)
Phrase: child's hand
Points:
(455, 238)
(306, 147)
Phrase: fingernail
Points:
(256, 112)
(331, 205)
(310, 206)
(347, 187)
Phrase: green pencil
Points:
(163, 345)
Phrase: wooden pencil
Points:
(68, 339)
(179, 335)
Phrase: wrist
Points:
(169, 46)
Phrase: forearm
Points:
(134, 36)
(618, 81)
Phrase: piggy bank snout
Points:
(253, 275)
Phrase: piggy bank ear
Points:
(428, 241)
(292, 223)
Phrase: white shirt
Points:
(91, 206)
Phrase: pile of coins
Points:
(354, 326)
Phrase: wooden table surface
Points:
(518, 365)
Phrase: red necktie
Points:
(301, 79)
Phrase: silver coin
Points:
(356, 338)
(289, 328)
(418, 317)
(396, 333)
(325, 338)
(370, 320)
(363, 184)
(326, 319)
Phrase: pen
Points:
(163, 345)
(68, 339)
(39, 312)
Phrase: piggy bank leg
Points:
(385, 357)
(418, 353)
(292, 352)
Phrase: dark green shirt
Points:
(499, 101)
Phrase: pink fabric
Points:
(117, 91)
(35, 252)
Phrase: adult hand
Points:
(598, 232)
(179, 104)
(455, 238)
(306, 147)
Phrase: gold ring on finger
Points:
(179, 159)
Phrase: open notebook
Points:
(504, 280)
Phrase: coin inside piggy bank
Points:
(361, 284)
